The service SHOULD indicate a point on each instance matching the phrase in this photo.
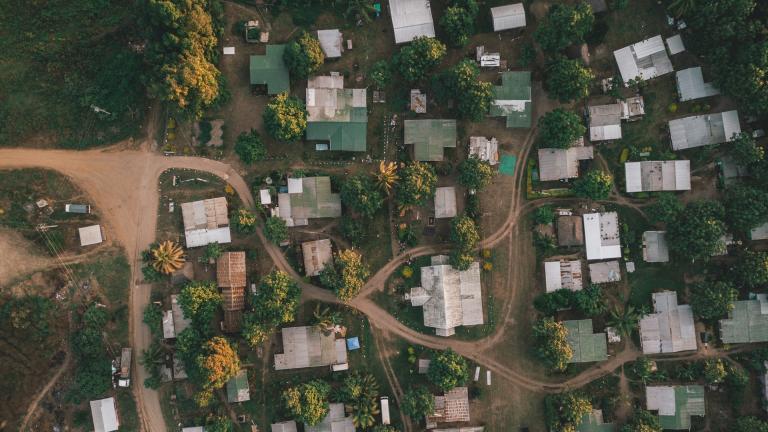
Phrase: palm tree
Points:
(681, 7)
(325, 319)
(364, 412)
(624, 321)
(167, 257)
(387, 176)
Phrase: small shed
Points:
(330, 42)
(264, 197)
(675, 44)
(418, 101)
(655, 247)
(230, 50)
(353, 343)
(424, 365)
(445, 202)
(168, 329)
(484, 149)
(570, 231)
(286, 426)
(508, 17)
(104, 415)
(317, 255)
(237, 387)
(563, 275)
(77, 208)
(605, 272)
(90, 235)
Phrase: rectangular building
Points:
(601, 234)
(670, 328)
(705, 129)
(653, 176)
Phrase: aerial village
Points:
(400, 215)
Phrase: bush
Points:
(275, 230)
(595, 185)
(249, 147)
(448, 370)
(549, 303)
(153, 318)
(417, 59)
(285, 118)
(353, 230)
(567, 80)
(560, 129)
(303, 56)
(380, 74)
(544, 215)
(244, 221)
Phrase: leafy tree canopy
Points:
(199, 300)
(697, 232)
(285, 118)
(564, 25)
(563, 411)
(418, 58)
(362, 195)
(462, 85)
(418, 402)
(448, 370)
(458, 22)
(745, 207)
(552, 343)
(277, 299)
(751, 270)
(417, 184)
(464, 233)
(303, 56)
(665, 209)
(543, 215)
(560, 129)
(380, 74)
(745, 150)
(750, 424)
(461, 260)
(567, 80)
(642, 421)
(218, 362)
(275, 230)
(249, 147)
(347, 275)
(244, 221)
(595, 184)
(308, 402)
(475, 173)
(712, 299)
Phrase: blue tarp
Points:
(353, 343)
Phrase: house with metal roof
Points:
(307, 346)
(587, 346)
(308, 198)
(705, 129)
(644, 60)
(450, 298)
(593, 422)
(670, 328)
(508, 17)
(77, 208)
(231, 279)
(180, 322)
(451, 407)
(601, 235)
(655, 248)
(730, 171)
(317, 255)
(653, 176)
(747, 322)
(270, 70)
(90, 235)
(759, 232)
(104, 415)
(605, 122)
(411, 19)
(691, 85)
(484, 149)
(562, 274)
(336, 115)
(445, 202)
(330, 42)
(675, 404)
(605, 272)
(335, 421)
(286, 426)
(675, 44)
(237, 388)
(430, 137)
(570, 231)
(561, 164)
(512, 99)
(169, 332)
(206, 222)
(193, 429)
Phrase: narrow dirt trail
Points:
(47, 388)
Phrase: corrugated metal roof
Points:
(336, 114)
(587, 346)
(445, 202)
(451, 407)
(512, 99)
(670, 328)
(270, 70)
(307, 347)
(430, 137)
(650, 176)
(559, 164)
(286, 426)
(675, 44)
(484, 149)
(675, 404)
(570, 231)
(314, 201)
(411, 19)
(317, 254)
(746, 323)
(180, 322)
(655, 247)
(508, 16)
(605, 272)
(230, 269)
(691, 85)
(644, 60)
(701, 130)
(237, 387)
(335, 421)
(90, 235)
(330, 42)
(605, 122)
(759, 232)
(593, 422)
(601, 234)
(563, 275)
(104, 415)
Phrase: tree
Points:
(475, 173)
(458, 22)
(167, 257)
(95, 316)
(564, 25)
(218, 362)
(745, 151)
(249, 147)
(543, 215)
(361, 195)
(624, 320)
(347, 274)
(642, 421)
(303, 56)
(750, 424)
(589, 300)
(417, 184)
(448, 370)
(665, 209)
(711, 300)
(325, 319)
(461, 260)
(244, 221)
(219, 424)
(595, 185)
(751, 270)
(745, 207)
(567, 80)
(277, 299)
(697, 232)
(285, 118)
(419, 58)
(551, 302)
(153, 318)
(714, 371)
(381, 75)
(559, 129)
(359, 392)
(359, 10)
(564, 411)
(386, 176)
(552, 344)
(275, 230)
(353, 230)
(199, 301)
(464, 233)
(364, 412)
(643, 368)
(417, 402)
(681, 7)
(212, 251)
(461, 85)
(308, 402)
(254, 331)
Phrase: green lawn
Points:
(648, 279)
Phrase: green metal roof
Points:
(342, 136)
(270, 70)
(341, 118)
(430, 137)
(237, 387)
(515, 86)
(593, 422)
(316, 200)
(689, 401)
(746, 323)
(587, 346)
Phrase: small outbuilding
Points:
(563, 275)
(702, 130)
(484, 149)
(512, 99)
(562, 164)
(604, 272)
(601, 233)
(237, 388)
(508, 17)
(675, 44)
(330, 42)
(691, 85)
(90, 235)
(570, 231)
(317, 255)
(759, 232)
(286, 426)
(445, 202)
(104, 415)
(654, 176)
(451, 407)
(655, 248)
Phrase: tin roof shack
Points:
(206, 222)
(587, 346)
(563, 275)
(231, 279)
(601, 233)
(655, 249)
(691, 85)
(512, 99)
(430, 137)
(317, 254)
(308, 198)
(570, 231)
(411, 19)
(77, 208)
(759, 232)
(747, 322)
(593, 422)
(104, 415)
(450, 298)
(604, 272)
(125, 368)
(653, 176)
(309, 347)
(670, 328)
(445, 202)
(605, 120)
(335, 114)
(90, 235)
(180, 322)
(286, 426)
(237, 388)
(270, 70)
(330, 42)
(335, 421)
(562, 164)
(706, 129)
(452, 407)
(675, 44)
(484, 149)
(508, 17)
(675, 404)
(644, 60)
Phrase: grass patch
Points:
(649, 279)
(129, 416)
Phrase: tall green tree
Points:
(458, 21)
(362, 195)
(420, 57)
(751, 270)
(417, 402)
(750, 424)
(347, 275)
(666, 208)
(448, 370)
(564, 411)
(308, 402)
(475, 173)
(417, 184)
(462, 85)
(199, 300)
(285, 118)
(745, 207)
(564, 25)
(697, 232)
(277, 299)
(712, 300)
(303, 56)
(567, 80)
(464, 233)
(560, 129)
(249, 147)
(745, 150)
(275, 229)
(595, 185)
(590, 300)
(642, 421)
(552, 345)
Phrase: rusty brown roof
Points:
(233, 298)
(230, 269)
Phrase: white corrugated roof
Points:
(691, 85)
(411, 19)
(701, 130)
(264, 197)
(604, 133)
(202, 237)
(168, 329)
(601, 236)
(651, 176)
(675, 44)
(330, 42)
(648, 47)
(563, 275)
(552, 276)
(508, 16)
(660, 398)
(644, 60)
(295, 185)
(605, 272)
(670, 328)
(90, 235)
(655, 247)
(445, 202)
(104, 415)
(759, 232)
